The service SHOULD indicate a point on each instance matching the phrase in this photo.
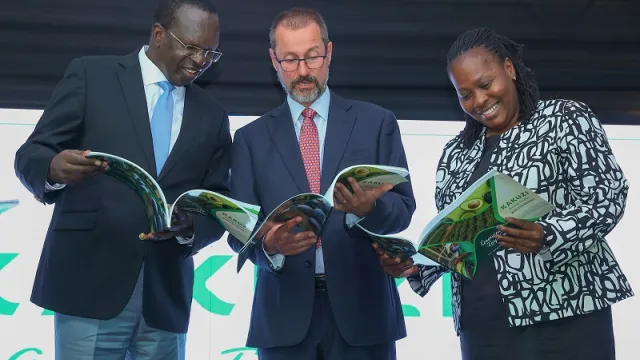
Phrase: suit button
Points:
(307, 263)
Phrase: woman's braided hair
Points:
(502, 47)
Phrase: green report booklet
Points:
(236, 217)
(239, 218)
(461, 237)
(315, 208)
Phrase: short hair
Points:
(501, 47)
(298, 18)
(166, 10)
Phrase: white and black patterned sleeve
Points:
(426, 277)
(598, 187)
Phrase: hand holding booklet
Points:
(236, 217)
(461, 236)
(241, 219)
(314, 209)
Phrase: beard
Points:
(304, 96)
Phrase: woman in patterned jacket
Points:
(549, 293)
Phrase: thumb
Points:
(383, 189)
(410, 271)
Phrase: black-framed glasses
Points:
(312, 62)
(194, 51)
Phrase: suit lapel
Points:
(130, 77)
(191, 121)
(339, 128)
(284, 138)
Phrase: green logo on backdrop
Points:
(7, 307)
(25, 352)
(210, 301)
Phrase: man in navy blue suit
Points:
(113, 295)
(325, 299)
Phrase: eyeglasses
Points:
(312, 62)
(194, 51)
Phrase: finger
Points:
(304, 236)
(80, 159)
(357, 190)
(523, 224)
(296, 248)
(346, 194)
(410, 271)
(392, 261)
(338, 195)
(294, 251)
(393, 268)
(379, 251)
(81, 169)
(516, 242)
(157, 236)
(398, 269)
(515, 232)
(290, 224)
(378, 192)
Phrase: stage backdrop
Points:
(222, 298)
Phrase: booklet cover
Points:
(236, 217)
(6, 205)
(461, 237)
(315, 208)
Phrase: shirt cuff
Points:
(185, 241)
(352, 219)
(277, 260)
(52, 187)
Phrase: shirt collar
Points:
(151, 74)
(321, 106)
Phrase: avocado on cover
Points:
(487, 197)
(467, 215)
(472, 204)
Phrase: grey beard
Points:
(305, 97)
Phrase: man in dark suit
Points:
(325, 299)
(144, 108)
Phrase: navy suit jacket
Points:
(92, 255)
(267, 169)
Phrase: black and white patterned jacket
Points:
(563, 155)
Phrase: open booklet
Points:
(236, 217)
(314, 209)
(6, 205)
(461, 236)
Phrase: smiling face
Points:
(486, 89)
(191, 27)
(308, 81)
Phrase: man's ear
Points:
(274, 60)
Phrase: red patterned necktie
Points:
(310, 150)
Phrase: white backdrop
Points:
(222, 298)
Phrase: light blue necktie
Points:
(161, 124)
